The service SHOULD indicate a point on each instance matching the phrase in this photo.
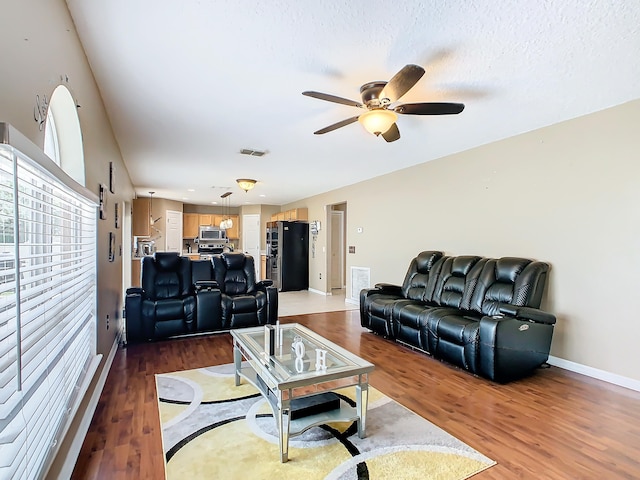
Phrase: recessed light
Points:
(215, 203)
(262, 195)
(191, 189)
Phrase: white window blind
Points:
(47, 306)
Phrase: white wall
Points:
(568, 194)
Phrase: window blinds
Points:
(47, 307)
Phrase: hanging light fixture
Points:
(226, 223)
(377, 121)
(151, 222)
(246, 184)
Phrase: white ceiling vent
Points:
(253, 153)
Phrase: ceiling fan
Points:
(378, 97)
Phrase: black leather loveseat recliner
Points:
(245, 302)
(179, 296)
(480, 314)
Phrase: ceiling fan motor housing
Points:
(370, 93)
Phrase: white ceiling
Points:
(187, 84)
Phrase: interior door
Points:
(173, 232)
(251, 238)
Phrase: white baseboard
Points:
(605, 376)
(85, 422)
(319, 292)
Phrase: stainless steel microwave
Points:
(208, 233)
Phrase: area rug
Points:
(212, 429)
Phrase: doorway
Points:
(251, 239)
(336, 247)
(173, 232)
(337, 250)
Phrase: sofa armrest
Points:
(133, 315)
(272, 302)
(388, 288)
(265, 283)
(528, 313)
(206, 285)
(510, 348)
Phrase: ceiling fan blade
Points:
(335, 126)
(392, 134)
(402, 82)
(333, 98)
(431, 108)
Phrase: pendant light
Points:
(151, 222)
(227, 223)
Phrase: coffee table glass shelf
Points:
(303, 364)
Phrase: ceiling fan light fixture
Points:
(378, 120)
(246, 184)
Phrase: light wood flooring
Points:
(553, 425)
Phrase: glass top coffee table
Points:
(303, 367)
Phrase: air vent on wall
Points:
(253, 153)
(360, 278)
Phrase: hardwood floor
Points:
(553, 425)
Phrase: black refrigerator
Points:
(288, 255)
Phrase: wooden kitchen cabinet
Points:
(293, 215)
(136, 265)
(205, 219)
(298, 214)
(263, 267)
(140, 217)
(217, 219)
(190, 223)
(233, 233)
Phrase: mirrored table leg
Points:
(284, 421)
(362, 400)
(237, 362)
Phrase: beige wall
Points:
(568, 194)
(39, 45)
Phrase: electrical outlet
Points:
(107, 322)
(320, 276)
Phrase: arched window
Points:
(62, 135)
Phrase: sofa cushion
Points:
(454, 288)
(420, 280)
(169, 309)
(515, 281)
(454, 337)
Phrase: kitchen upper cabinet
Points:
(295, 214)
(140, 217)
(205, 219)
(190, 223)
(298, 214)
(217, 219)
(233, 233)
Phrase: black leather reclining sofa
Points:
(179, 296)
(480, 314)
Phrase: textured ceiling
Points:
(188, 84)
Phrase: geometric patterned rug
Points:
(212, 429)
